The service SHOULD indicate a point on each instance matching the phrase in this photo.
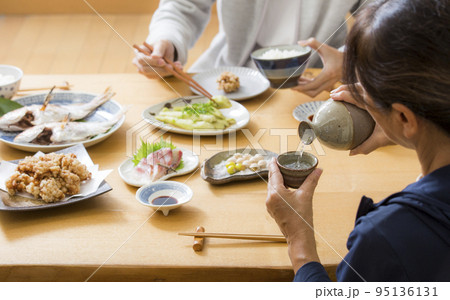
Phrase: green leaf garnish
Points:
(181, 165)
(199, 108)
(147, 148)
(7, 105)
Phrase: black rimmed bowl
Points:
(282, 72)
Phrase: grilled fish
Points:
(65, 132)
(36, 114)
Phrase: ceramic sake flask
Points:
(338, 125)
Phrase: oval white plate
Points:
(190, 161)
(237, 111)
(252, 82)
(303, 111)
(102, 113)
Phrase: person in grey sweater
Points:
(245, 26)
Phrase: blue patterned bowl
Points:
(103, 113)
(9, 89)
(164, 195)
(282, 72)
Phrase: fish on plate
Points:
(38, 114)
(65, 132)
(159, 163)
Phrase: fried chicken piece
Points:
(18, 182)
(228, 82)
(50, 190)
(72, 164)
(50, 177)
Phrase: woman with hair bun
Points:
(397, 67)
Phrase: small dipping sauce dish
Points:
(296, 168)
(164, 195)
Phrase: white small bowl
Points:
(9, 88)
(155, 195)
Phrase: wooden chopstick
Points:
(177, 72)
(67, 86)
(238, 236)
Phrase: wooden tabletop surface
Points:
(114, 238)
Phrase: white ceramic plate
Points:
(303, 111)
(252, 82)
(236, 111)
(190, 163)
(104, 112)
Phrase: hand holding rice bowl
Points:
(282, 65)
(10, 77)
(279, 54)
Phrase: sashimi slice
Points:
(165, 156)
(177, 155)
(144, 167)
(159, 163)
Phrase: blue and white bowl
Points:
(306, 111)
(104, 112)
(156, 193)
(282, 72)
(10, 87)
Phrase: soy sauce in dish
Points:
(164, 200)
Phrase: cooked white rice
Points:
(6, 79)
(277, 53)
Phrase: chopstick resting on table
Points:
(177, 72)
(238, 236)
(66, 87)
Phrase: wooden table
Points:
(130, 243)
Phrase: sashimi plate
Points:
(103, 113)
(237, 111)
(190, 163)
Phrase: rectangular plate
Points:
(37, 205)
(6, 203)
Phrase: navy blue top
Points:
(405, 237)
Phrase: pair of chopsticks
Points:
(238, 236)
(177, 72)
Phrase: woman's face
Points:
(387, 120)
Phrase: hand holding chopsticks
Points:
(172, 68)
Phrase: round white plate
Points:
(190, 163)
(303, 111)
(103, 113)
(236, 111)
(252, 82)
